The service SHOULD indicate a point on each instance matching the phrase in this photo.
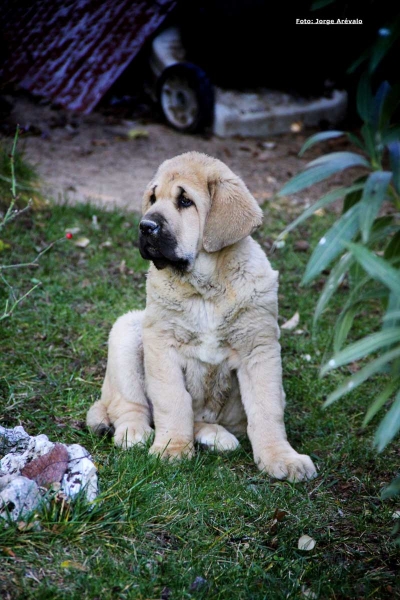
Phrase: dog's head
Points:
(194, 203)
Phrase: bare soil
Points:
(97, 158)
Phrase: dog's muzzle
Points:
(158, 244)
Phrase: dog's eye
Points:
(152, 198)
(184, 202)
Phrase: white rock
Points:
(19, 498)
(21, 494)
(12, 440)
(13, 462)
(81, 473)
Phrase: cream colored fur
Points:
(204, 355)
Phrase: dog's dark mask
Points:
(158, 244)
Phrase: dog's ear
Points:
(234, 213)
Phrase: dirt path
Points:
(93, 158)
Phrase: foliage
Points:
(362, 248)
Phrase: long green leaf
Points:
(392, 316)
(319, 137)
(380, 401)
(392, 490)
(395, 314)
(324, 201)
(379, 101)
(376, 267)
(392, 250)
(332, 283)
(368, 133)
(354, 196)
(343, 160)
(322, 168)
(389, 426)
(372, 198)
(307, 178)
(331, 244)
(355, 380)
(343, 325)
(356, 141)
(391, 135)
(364, 347)
(364, 98)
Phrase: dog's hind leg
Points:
(215, 436)
(123, 401)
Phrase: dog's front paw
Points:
(126, 437)
(173, 450)
(286, 463)
(217, 438)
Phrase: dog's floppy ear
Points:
(234, 213)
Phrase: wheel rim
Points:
(179, 102)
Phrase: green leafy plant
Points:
(362, 246)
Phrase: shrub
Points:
(362, 246)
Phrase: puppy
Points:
(202, 362)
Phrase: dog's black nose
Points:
(148, 227)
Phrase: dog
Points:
(202, 362)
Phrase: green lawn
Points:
(198, 529)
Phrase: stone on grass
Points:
(19, 498)
(31, 464)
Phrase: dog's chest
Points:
(203, 334)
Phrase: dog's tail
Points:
(98, 420)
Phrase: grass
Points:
(199, 529)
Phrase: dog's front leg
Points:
(172, 404)
(260, 380)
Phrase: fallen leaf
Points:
(23, 526)
(198, 583)
(268, 145)
(280, 514)
(265, 156)
(8, 551)
(82, 242)
(301, 245)
(166, 593)
(4, 246)
(296, 127)
(71, 564)
(292, 322)
(308, 593)
(133, 134)
(306, 543)
(48, 468)
(319, 212)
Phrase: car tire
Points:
(186, 97)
